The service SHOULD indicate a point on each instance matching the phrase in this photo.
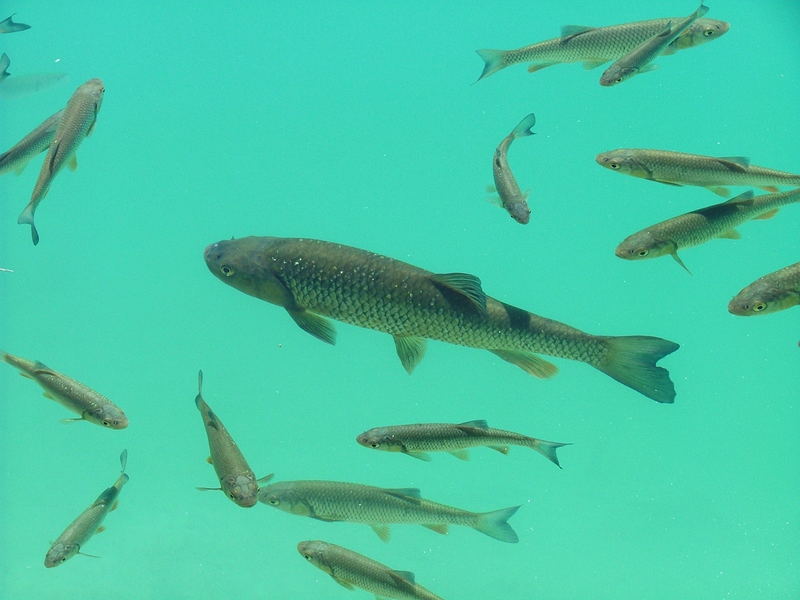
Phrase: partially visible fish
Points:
(351, 569)
(89, 522)
(6, 270)
(9, 26)
(511, 197)
(4, 64)
(91, 406)
(32, 144)
(768, 294)
(20, 86)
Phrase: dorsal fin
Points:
(465, 284)
(404, 493)
(478, 424)
(738, 164)
(407, 575)
(570, 31)
(748, 195)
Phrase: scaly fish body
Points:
(351, 569)
(594, 46)
(312, 277)
(32, 144)
(511, 196)
(90, 405)
(378, 507)
(773, 292)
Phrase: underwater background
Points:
(359, 123)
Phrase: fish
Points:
(511, 197)
(314, 279)
(6, 270)
(9, 26)
(679, 168)
(594, 46)
(5, 62)
(702, 225)
(34, 143)
(89, 522)
(20, 86)
(353, 570)
(91, 406)
(236, 478)
(768, 294)
(379, 507)
(418, 439)
(77, 122)
(640, 60)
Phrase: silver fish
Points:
(511, 197)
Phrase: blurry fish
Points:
(6, 270)
(235, 476)
(89, 522)
(91, 406)
(77, 122)
(418, 439)
(773, 292)
(22, 85)
(679, 168)
(310, 278)
(378, 507)
(594, 46)
(511, 197)
(9, 26)
(352, 570)
(641, 59)
(4, 63)
(702, 225)
(32, 144)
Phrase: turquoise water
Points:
(359, 124)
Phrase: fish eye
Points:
(232, 495)
(759, 306)
(642, 252)
(307, 556)
(614, 165)
(106, 422)
(619, 80)
(62, 559)
(274, 501)
(708, 32)
(227, 270)
(374, 444)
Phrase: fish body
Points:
(89, 522)
(702, 225)
(5, 62)
(418, 439)
(90, 405)
(35, 142)
(594, 46)
(768, 294)
(511, 196)
(311, 278)
(9, 26)
(378, 507)
(353, 570)
(640, 59)
(680, 168)
(76, 123)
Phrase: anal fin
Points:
(530, 363)
(317, 326)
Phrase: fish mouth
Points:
(619, 251)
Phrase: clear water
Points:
(358, 123)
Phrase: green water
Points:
(358, 123)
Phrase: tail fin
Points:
(631, 360)
(26, 218)
(494, 524)
(524, 126)
(494, 59)
(547, 449)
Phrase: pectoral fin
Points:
(410, 350)
(460, 454)
(72, 163)
(265, 478)
(207, 489)
(719, 190)
(530, 363)
(317, 326)
(593, 64)
(73, 420)
(678, 260)
(419, 456)
(464, 284)
(382, 531)
(101, 529)
(731, 235)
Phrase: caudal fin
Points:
(494, 61)
(548, 449)
(524, 126)
(26, 218)
(631, 360)
(494, 524)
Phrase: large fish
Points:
(32, 144)
(679, 168)
(512, 197)
(353, 570)
(773, 292)
(310, 278)
(378, 507)
(594, 46)
(702, 225)
(89, 522)
(77, 122)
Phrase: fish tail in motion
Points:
(26, 218)
(631, 360)
(494, 524)
(494, 61)
(548, 450)
(524, 127)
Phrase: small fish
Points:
(20, 86)
(418, 439)
(352, 570)
(77, 122)
(235, 476)
(35, 142)
(89, 522)
(512, 198)
(378, 507)
(594, 46)
(9, 26)
(4, 64)
(641, 59)
(679, 168)
(91, 406)
(768, 294)
(702, 225)
(6, 270)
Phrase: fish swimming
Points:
(91, 406)
(9, 26)
(235, 476)
(511, 197)
(89, 522)
(5, 62)
(77, 122)
(679, 168)
(353, 570)
(35, 142)
(768, 294)
(378, 507)
(702, 225)
(311, 278)
(594, 46)
(419, 439)
(641, 59)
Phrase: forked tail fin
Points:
(493, 59)
(494, 524)
(631, 360)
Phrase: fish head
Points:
(624, 161)
(519, 211)
(761, 300)
(242, 489)
(380, 438)
(617, 74)
(60, 553)
(644, 244)
(284, 496)
(700, 32)
(314, 551)
(107, 415)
